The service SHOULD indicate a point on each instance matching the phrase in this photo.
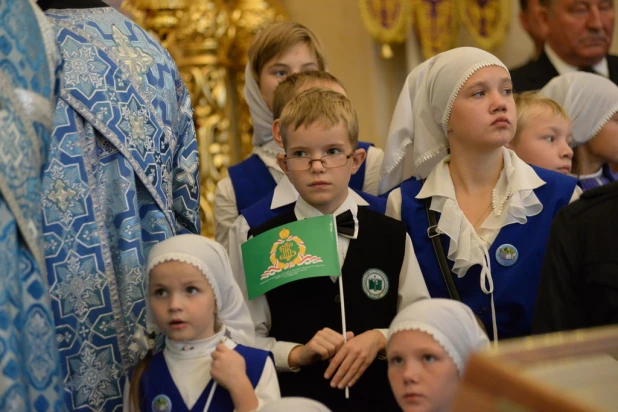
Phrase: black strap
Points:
(436, 240)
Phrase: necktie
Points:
(345, 223)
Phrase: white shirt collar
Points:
(563, 67)
(304, 210)
(514, 177)
(285, 193)
(594, 175)
(194, 349)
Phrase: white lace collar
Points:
(513, 200)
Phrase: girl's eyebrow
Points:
(484, 83)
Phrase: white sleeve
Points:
(576, 194)
(226, 210)
(258, 307)
(267, 389)
(126, 401)
(373, 165)
(393, 204)
(412, 285)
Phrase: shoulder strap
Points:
(436, 240)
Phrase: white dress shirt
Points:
(189, 364)
(411, 283)
(226, 210)
(563, 67)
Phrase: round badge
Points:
(375, 284)
(507, 255)
(161, 403)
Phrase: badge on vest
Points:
(161, 403)
(507, 255)
(375, 284)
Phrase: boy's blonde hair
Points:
(287, 89)
(528, 102)
(319, 105)
(278, 38)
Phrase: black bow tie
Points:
(345, 223)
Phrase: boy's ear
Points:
(276, 129)
(357, 159)
(282, 164)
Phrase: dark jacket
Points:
(535, 74)
(579, 280)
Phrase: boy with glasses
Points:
(300, 322)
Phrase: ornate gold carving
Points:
(209, 40)
(388, 21)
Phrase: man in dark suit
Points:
(579, 34)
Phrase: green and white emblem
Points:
(375, 284)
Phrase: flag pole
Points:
(342, 300)
(345, 338)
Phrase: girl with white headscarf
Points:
(493, 211)
(427, 349)
(195, 302)
(592, 104)
(277, 51)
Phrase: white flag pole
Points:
(345, 338)
(343, 325)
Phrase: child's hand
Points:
(228, 366)
(354, 358)
(324, 345)
(228, 369)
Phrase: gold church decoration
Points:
(437, 25)
(209, 40)
(388, 21)
(486, 20)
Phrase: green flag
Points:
(298, 250)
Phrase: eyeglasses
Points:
(331, 161)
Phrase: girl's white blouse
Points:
(513, 201)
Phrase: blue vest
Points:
(515, 287)
(252, 181)
(260, 212)
(157, 383)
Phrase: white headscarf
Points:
(261, 116)
(294, 404)
(451, 323)
(211, 259)
(423, 111)
(589, 99)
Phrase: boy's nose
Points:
(567, 151)
(175, 303)
(316, 165)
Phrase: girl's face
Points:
(605, 144)
(182, 301)
(298, 59)
(422, 375)
(483, 114)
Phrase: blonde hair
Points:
(319, 105)
(287, 89)
(528, 103)
(278, 38)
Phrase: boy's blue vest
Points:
(515, 287)
(157, 383)
(260, 212)
(252, 180)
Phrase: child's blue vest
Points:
(158, 392)
(252, 180)
(515, 287)
(260, 212)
